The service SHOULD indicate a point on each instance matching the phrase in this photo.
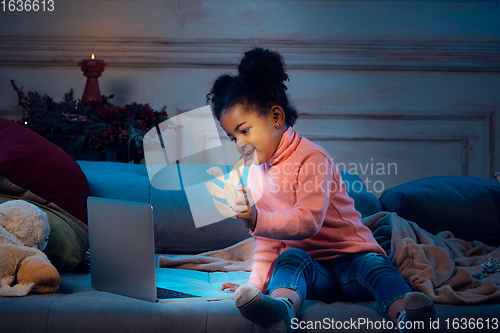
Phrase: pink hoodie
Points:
(304, 205)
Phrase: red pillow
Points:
(31, 166)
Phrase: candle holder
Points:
(92, 69)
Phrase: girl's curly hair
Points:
(258, 85)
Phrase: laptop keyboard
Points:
(163, 293)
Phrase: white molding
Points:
(372, 113)
(463, 140)
(390, 53)
(475, 142)
(475, 137)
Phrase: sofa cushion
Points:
(68, 242)
(175, 230)
(34, 168)
(467, 206)
(114, 180)
(77, 307)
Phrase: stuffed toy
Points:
(24, 233)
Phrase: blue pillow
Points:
(365, 202)
(469, 207)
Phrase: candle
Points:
(92, 69)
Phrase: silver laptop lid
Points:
(121, 241)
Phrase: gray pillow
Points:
(469, 207)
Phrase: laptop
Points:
(122, 255)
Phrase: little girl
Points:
(309, 239)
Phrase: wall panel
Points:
(413, 83)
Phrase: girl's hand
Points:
(246, 208)
(227, 286)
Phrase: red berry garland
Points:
(95, 123)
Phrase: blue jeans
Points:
(353, 277)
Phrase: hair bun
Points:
(260, 67)
(221, 84)
(218, 89)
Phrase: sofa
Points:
(468, 206)
(76, 307)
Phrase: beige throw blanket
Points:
(237, 257)
(445, 268)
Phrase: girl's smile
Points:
(256, 136)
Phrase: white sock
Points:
(262, 309)
(419, 309)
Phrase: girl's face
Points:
(255, 135)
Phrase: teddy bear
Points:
(24, 233)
